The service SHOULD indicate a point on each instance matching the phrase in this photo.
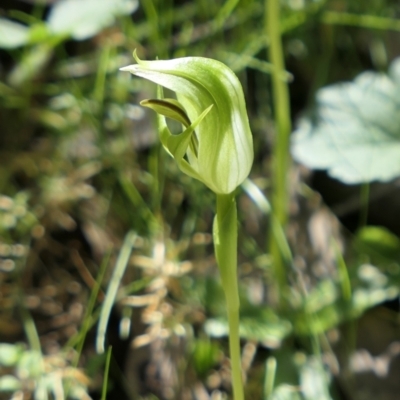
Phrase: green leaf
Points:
(319, 322)
(9, 354)
(379, 240)
(205, 355)
(258, 324)
(83, 19)
(32, 63)
(365, 298)
(9, 383)
(322, 295)
(286, 392)
(12, 34)
(30, 365)
(355, 134)
(314, 380)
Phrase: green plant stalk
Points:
(99, 87)
(112, 289)
(225, 242)
(270, 372)
(106, 371)
(30, 329)
(280, 157)
(364, 203)
(88, 319)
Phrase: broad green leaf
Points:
(324, 294)
(83, 19)
(30, 365)
(319, 322)
(314, 380)
(205, 355)
(9, 383)
(32, 63)
(258, 324)
(355, 134)
(371, 275)
(286, 392)
(365, 298)
(9, 354)
(12, 34)
(379, 240)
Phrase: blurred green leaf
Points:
(30, 365)
(9, 383)
(205, 355)
(38, 33)
(380, 240)
(365, 298)
(258, 324)
(372, 276)
(356, 132)
(83, 19)
(319, 322)
(33, 63)
(314, 380)
(324, 294)
(12, 34)
(286, 392)
(9, 354)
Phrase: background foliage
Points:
(86, 190)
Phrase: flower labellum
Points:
(216, 146)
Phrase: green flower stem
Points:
(225, 242)
(364, 201)
(280, 162)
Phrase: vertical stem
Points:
(234, 350)
(30, 329)
(364, 202)
(225, 242)
(120, 266)
(280, 160)
(270, 372)
(106, 371)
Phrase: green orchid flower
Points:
(216, 146)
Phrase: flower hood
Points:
(216, 146)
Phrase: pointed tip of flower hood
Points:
(133, 67)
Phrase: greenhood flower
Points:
(217, 146)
